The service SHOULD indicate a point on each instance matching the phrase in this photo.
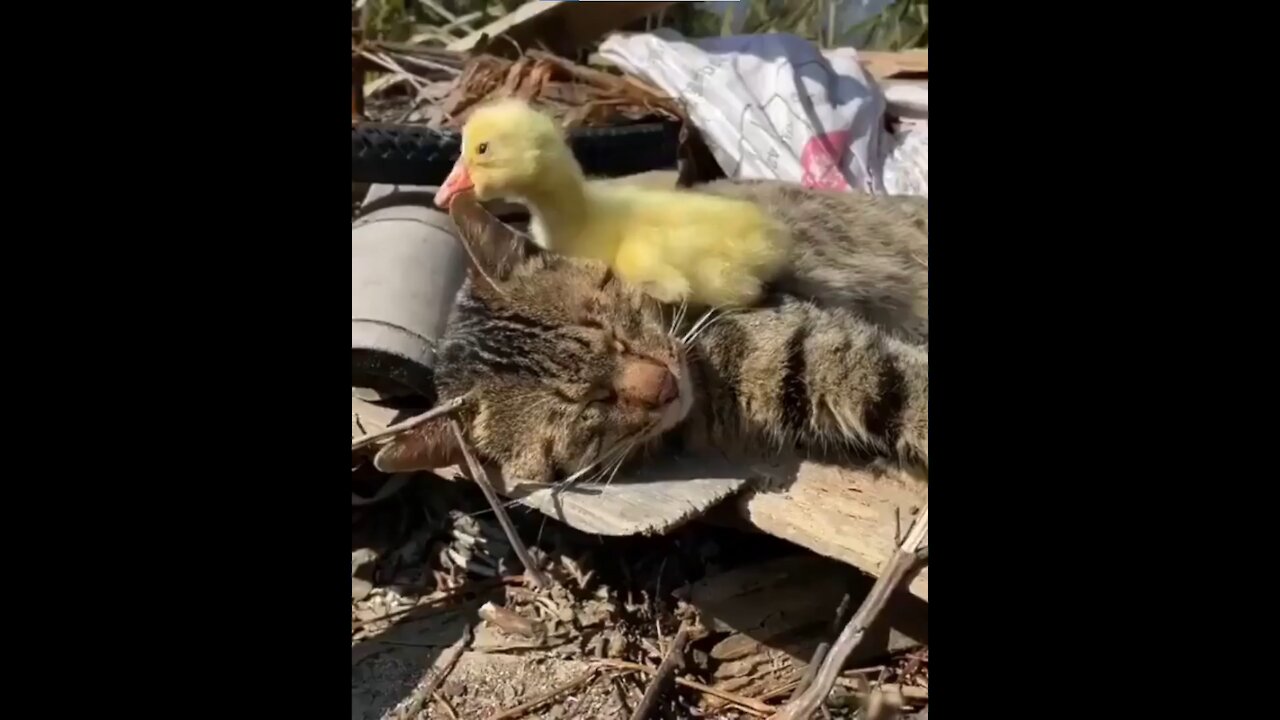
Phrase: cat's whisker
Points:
(622, 452)
(604, 469)
(616, 467)
(677, 316)
(599, 465)
(608, 471)
(556, 487)
(711, 319)
(631, 446)
(578, 475)
(705, 326)
(619, 449)
(698, 323)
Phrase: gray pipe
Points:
(406, 268)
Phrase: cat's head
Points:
(562, 364)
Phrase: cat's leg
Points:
(798, 374)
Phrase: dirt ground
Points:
(436, 589)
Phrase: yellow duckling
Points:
(676, 244)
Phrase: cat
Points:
(566, 368)
(865, 252)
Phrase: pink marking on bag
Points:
(820, 161)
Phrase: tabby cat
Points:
(567, 368)
(865, 252)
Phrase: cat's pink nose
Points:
(647, 384)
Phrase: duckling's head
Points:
(509, 150)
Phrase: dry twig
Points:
(904, 560)
(794, 687)
(908, 693)
(386, 63)
(447, 707)
(520, 710)
(444, 666)
(746, 703)
(481, 478)
(820, 652)
(675, 656)
(425, 63)
(413, 422)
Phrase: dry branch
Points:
(413, 422)
(481, 478)
(675, 655)
(908, 693)
(900, 565)
(435, 694)
(520, 710)
(747, 703)
(422, 694)
(820, 652)
(575, 94)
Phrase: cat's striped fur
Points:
(864, 252)
(795, 373)
(536, 337)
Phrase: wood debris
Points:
(512, 623)
(441, 90)
(577, 95)
(904, 561)
(658, 686)
(438, 563)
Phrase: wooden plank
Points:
(563, 27)
(846, 514)
(655, 500)
(789, 605)
(892, 64)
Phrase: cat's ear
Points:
(429, 446)
(495, 248)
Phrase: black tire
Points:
(417, 155)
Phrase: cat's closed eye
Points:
(603, 396)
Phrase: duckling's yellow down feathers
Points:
(677, 244)
(683, 245)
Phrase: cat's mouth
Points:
(677, 409)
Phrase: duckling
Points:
(678, 245)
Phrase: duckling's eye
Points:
(480, 149)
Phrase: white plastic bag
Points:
(769, 106)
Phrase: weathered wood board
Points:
(849, 515)
(893, 64)
(665, 495)
(787, 604)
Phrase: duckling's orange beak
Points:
(459, 180)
